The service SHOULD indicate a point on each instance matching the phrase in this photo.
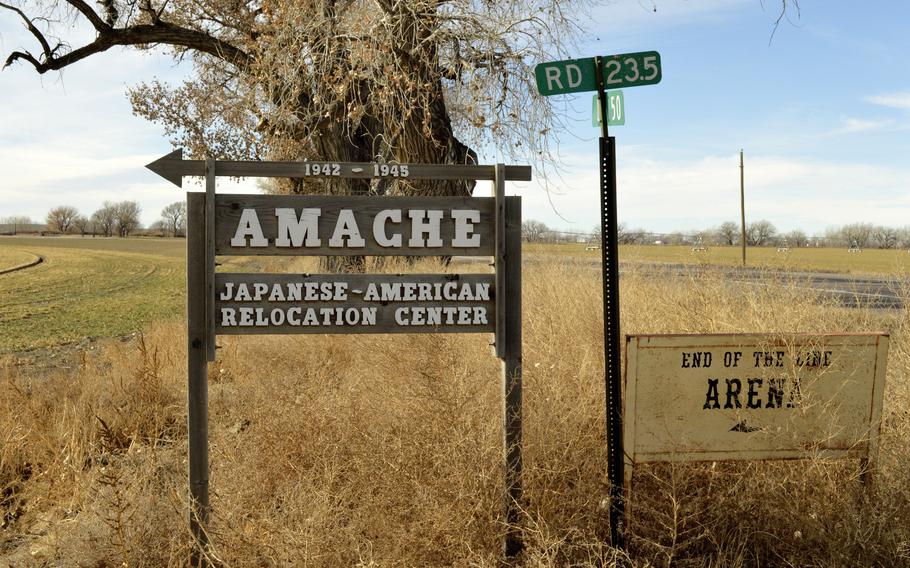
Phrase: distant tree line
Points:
(120, 219)
(758, 233)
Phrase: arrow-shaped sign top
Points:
(173, 167)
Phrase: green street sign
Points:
(578, 75)
(616, 112)
(563, 77)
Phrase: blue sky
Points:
(822, 113)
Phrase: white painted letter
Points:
(346, 227)
(228, 291)
(293, 232)
(425, 222)
(553, 77)
(379, 234)
(228, 317)
(249, 227)
(464, 227)
(573, 75)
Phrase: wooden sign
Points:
(229, 304)
(354, 303)
(346, 226)
(173, 167)
(734, 397)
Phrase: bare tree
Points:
(373, 80)
(834, 237)
(885, 237)
(104, 219)
(904, 237)
(160, 228)
(81, 224)
(126, 217)
(61, 218)
(533, 231)
(859, 233)
(728, 233)
(16, 223)
(174, 217)
(638, 236)
(406, 80)
(596, 234)
(760, 233)
(796, 238)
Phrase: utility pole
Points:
(742, 205)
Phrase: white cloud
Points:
(899, 100)
(666, 195)
(855, 125)
(71, 137)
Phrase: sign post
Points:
(227, 303)
(609, 252)
(197, 373)
(598, 74)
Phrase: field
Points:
(386, 450)
(869, 261)
(12, 258)
(87, 288)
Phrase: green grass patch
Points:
(88, 288)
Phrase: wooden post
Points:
(742, 205)
(508, 303)
(197, 373)
(499, 215)
(210, 259)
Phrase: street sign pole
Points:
(596, 74)
(610, 262)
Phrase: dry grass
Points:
(386, 450)
(824, 259)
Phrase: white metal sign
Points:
(730, 397)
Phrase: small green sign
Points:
(578, 75)
(616, 111)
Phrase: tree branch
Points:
(35, 32)
(90, 15)
(147, 34)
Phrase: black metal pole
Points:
(610, 262)
(601, 101)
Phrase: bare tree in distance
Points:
(728, 233)
(15, 223)
(885, 237)
(160, 228)
(81, 224)
(904, 237)
(60, 219)
(174, 217)
(126, 217)
(627, 236)
(104, 218)
(796, 238)
(760, 233)
(597, 234)
(860, 233)
(533, 231)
